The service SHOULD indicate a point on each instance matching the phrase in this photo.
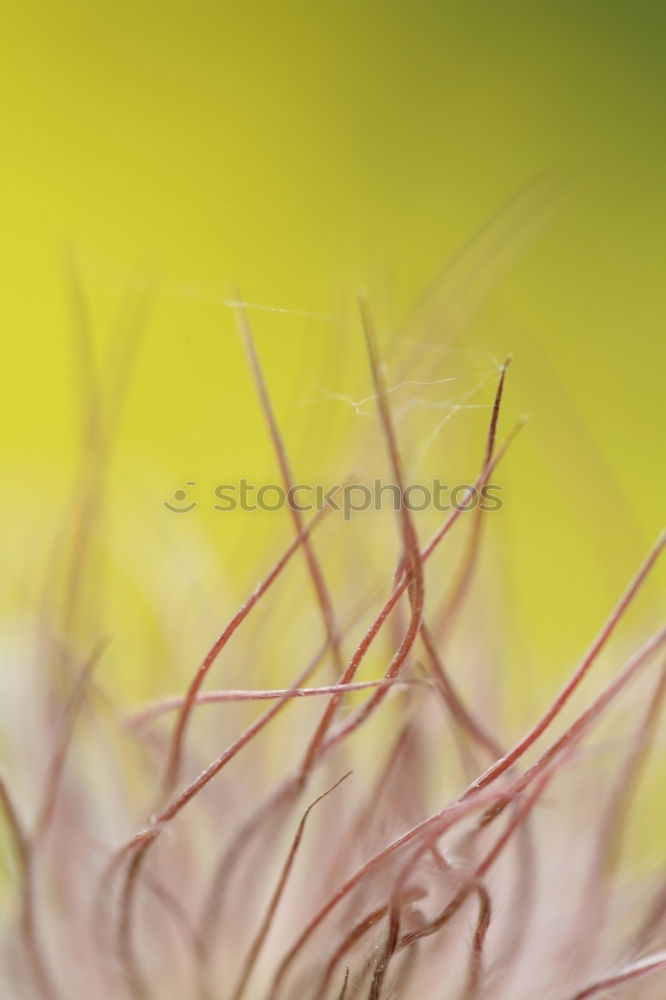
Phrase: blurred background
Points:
(492, 175)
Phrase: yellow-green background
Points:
(302, 150)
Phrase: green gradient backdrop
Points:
(302, 150)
